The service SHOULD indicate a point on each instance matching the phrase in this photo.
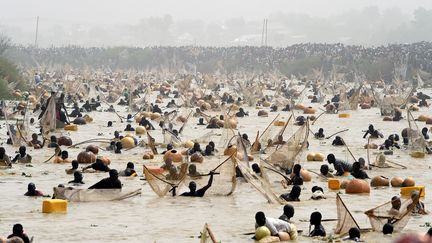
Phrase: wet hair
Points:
(317, 188)
(354, 233)
(109, 124)
(324, 169)
(260, 218)
(256, 168)
(17, 229)
(130, 165)
(169, 146)
(113, 173)
(211, 143)
(64, 153)
(429, 232)
(75, 164)
(388, 229)
(288, 210)
(315, 218)
(331, 158)
(22, 149)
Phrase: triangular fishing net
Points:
(345, 220)
(48, 120)
(160, 185)
(259, 183)
(224, 179)
(277, 139)
(170, 138)
(93, 195)
(354, 99)
(206, 138)
(290, 153)
(416, 141)
(384, 213)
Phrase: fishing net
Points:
(416, 141)
(353, 100)
(278, 137)
(170, 138)
(224, 179)
(290, 152)
(345, 221)
(259, 183)
(158, 182)
(384, 213)
(93, 195)
(48, 120)
(225, 138)
(206, 138)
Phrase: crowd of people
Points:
(403, 59)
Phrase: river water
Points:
(147, 218)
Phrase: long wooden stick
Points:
(322, 113)
(349, 150)
(337, 133)
(369, 165)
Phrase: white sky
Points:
(130, 11)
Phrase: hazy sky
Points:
(130, 11)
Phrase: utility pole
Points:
(37, 29)
(262, 34)
(266, 22)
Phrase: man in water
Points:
(396, 205)
(277, 227)
(357, 172)
(98, 165)
(74, 168)
(288, 213)
(78, 178)
(319, 134)
(315, 220)
(112, 182)
(294, 195)
(22, 156)
(130, 170)
(4, 158)
(198, 193)
(18, 231)
(32, 192)
(340, 166)
(35, 142)
(373, 132)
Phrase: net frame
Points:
(380, 215)
(345, 220)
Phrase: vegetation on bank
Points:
(9, 72)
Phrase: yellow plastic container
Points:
(71, 127)
(54, 206)
(406, 191)
(344, 115)
(334, 184)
